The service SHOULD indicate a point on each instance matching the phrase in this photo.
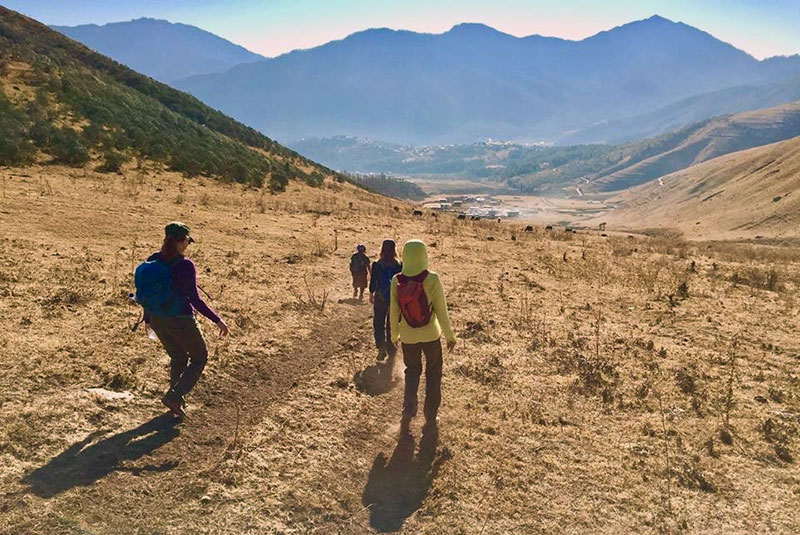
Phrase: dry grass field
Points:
(600, 384)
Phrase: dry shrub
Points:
(64, 296)
(688, 474)
(759, 278)
(780, 435)
(490, 372)
(312, 299)
(596, 374)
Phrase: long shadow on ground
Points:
(82, 465)
(396, 489)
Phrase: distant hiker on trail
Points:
(418, 317)
(359, 269)
(380, 283)
(166, 286)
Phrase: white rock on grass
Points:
(110, 394)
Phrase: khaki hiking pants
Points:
(412, 358)
(186, 347)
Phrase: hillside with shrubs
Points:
(62, 103)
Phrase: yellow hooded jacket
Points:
(415, 261)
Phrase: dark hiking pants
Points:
(412, 358)
(380, 323)
(186, 347)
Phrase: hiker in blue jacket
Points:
(379, 286)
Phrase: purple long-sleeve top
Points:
(184, 283)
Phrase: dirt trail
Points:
(175, 456)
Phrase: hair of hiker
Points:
(388, 254)
(169, 249)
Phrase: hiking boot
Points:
(381, 354)
(174, 405)
(431, 424)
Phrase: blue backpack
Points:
(154, 292)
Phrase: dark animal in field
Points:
(529, 228)
(567, 229)
(433, 215)
(418, 213)
(549, 227)
(474, 218)
(462, 216)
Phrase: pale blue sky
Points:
(270, 27)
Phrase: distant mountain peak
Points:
(475, 29)
(162, 49)
(658, 19)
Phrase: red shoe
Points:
(174, 405)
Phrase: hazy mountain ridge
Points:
(693, 109)
(703, 142)
(557, 170)
(474, 82)
(161, 49)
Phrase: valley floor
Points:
(600, 384)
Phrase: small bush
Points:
(113, 161)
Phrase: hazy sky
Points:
(270, 27)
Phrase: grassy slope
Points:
(705, 141)
(53, 81)
(569, 382)
(744, 194)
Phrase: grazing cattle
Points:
(602, 227)
(396, 208)
(418, 213)
(549, 227)
(567, 229)
(529, 228)
(462, 216)
(604, 235)
(433, 215)
(475, 218)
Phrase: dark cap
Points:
(178, 230)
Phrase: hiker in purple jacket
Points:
(179, 331)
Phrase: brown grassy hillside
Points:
(701, 142)
(600, 385)
(742, 195)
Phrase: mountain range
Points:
(63, 103)
(559, 169)
(163, 50)
(474, 82)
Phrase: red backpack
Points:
(413, 301)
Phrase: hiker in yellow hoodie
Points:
(418, 318)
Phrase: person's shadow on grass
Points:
(82, 464)
(397, 488)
